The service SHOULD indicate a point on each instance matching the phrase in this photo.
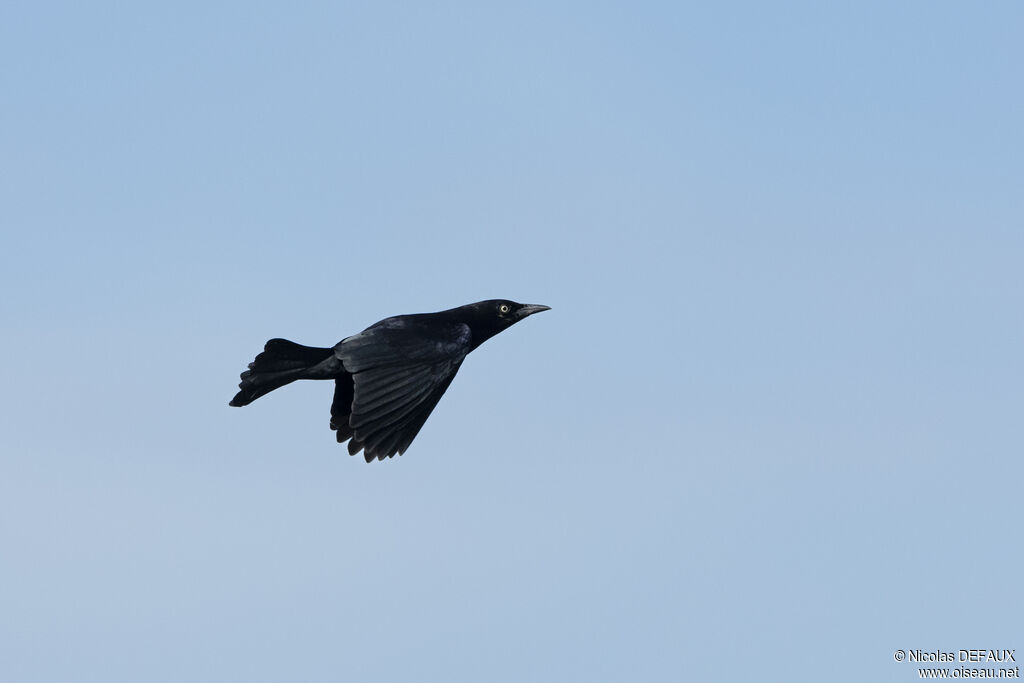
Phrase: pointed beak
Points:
(530, 309)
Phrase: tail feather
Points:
(280, 363)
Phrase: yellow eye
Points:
(503, 308)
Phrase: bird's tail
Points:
(281, 362)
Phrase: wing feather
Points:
(341, 407)
(381, 392)
(371, 420)
(404, 433)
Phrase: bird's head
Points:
(488, 318)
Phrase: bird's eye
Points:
(503, 308)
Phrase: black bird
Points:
(387, 378)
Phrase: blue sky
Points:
(769, 431)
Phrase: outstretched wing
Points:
(399, 372)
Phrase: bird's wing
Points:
(341, 407)
(399, 374)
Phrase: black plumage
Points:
(387, 378)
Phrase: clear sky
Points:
(771, 429)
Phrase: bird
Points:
(387, 378)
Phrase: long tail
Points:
(281, 362)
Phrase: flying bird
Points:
(387, 378)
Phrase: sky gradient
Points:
(771, 429)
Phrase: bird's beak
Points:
(530, 309)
